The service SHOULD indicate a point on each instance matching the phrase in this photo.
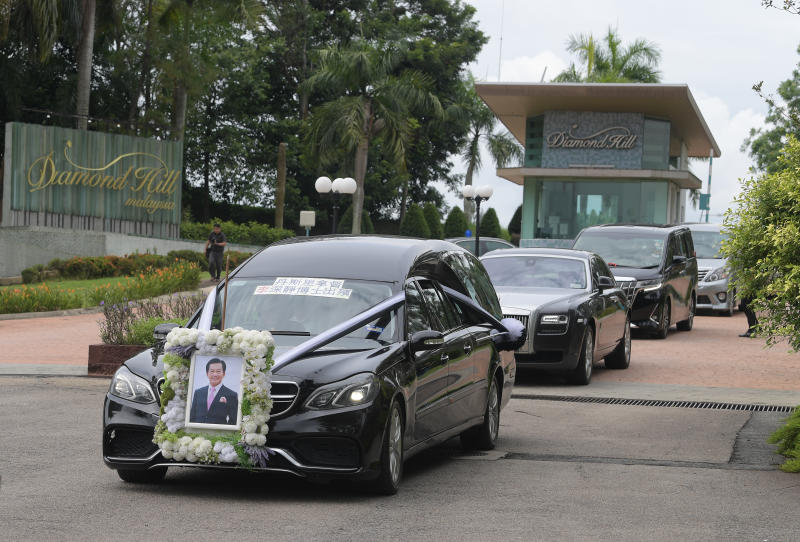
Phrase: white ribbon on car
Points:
(509, 332)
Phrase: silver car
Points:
(713, 288)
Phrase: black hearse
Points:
(436, 363)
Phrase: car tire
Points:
(664, 322)
(391, 465)
(582, 374)
(620, 358)
(686, 325)
(484, 436)
(150, 476)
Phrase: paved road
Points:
(562, 471)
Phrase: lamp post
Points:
(336, 188)
(477, 195)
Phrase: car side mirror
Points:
(426, 340)
(162, 330)
(603, 283)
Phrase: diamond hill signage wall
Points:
(81, 180)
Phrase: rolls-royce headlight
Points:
(719, 273)
(554, 319)
(360, 389)
(129, 386)
(648, 285)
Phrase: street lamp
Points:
(477, 195)
(336, 188)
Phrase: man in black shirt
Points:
(214, 247)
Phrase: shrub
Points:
(251, 233)
(515, 225)
(414, 224)
(345, 225)
(31, 275)
(490, 225)
(119, 324)
(149, 283)
(456, 223)
(788, 440)
(190, 256)
(141, 331)
(38, 298)
(434, 220)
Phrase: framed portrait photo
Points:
(214, 397)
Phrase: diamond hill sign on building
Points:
(81, 180)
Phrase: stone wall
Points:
(24, 246)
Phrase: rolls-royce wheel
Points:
(582, 374)
(620, 358)
(664, 320)
(484, 436)
(150, 476)
(388, 482)
(686, 325)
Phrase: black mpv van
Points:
(656, 267)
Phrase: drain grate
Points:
(656, 403)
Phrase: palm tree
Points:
(503, 148)
(367, 99)
(607, 61)
(49, 20)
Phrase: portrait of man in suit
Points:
(215, 403)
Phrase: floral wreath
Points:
(246, 447)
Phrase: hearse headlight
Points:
(554, 319)
(127, 385)
(719, 273)
(360, 389)
(648, 285)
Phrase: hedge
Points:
(251, 233)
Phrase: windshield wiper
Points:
(294, 333)
(649, 266)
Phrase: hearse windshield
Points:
(624, 248)
(295, 308)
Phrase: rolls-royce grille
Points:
(701, 273)
(130, 443)
(283, 395)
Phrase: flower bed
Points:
(150, 283)
(96, 267)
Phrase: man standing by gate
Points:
(214, 248)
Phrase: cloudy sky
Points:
(720, 48)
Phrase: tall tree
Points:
(502, 146)
(783, 119)
(182, 19)
(608, 61)
(367, 98)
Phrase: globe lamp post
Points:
(335, 188)
(477, 195)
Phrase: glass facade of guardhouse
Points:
(598, 153)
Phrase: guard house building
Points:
(600, 153)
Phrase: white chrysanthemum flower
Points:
(250, 427)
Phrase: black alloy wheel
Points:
(686, 325)
(484, 436)
(620, 358)
(664, 322)
(388, 481)
(582, 374)
(150, 476)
